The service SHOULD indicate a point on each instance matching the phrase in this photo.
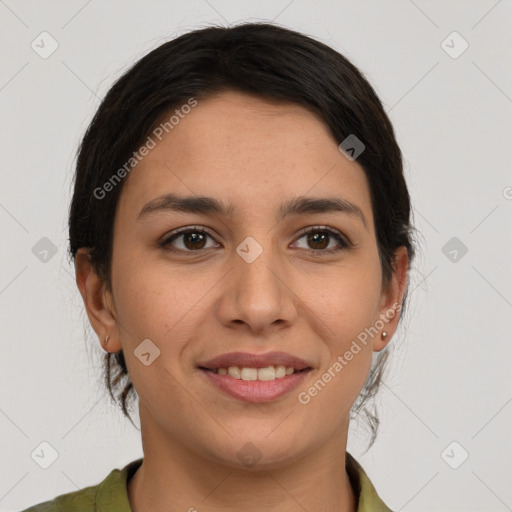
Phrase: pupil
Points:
(315, 239)
(195, 237)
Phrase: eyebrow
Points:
(209, 205)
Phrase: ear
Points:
(98, 301)
(391, 300)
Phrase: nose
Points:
(258, 297)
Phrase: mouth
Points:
(255, 377)
(266, 373)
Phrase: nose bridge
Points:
(256, 268)
(257, 294)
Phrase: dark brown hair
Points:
(262, 59)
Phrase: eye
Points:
(193, 240)
(321, 236)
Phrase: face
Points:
(248, 280)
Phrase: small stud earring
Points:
(106, 340)
(384, 335)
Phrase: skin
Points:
(253, 154)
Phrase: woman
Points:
(240, 227)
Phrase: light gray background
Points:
(451, 374)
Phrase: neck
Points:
(172, 477)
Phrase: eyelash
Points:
(345, 243)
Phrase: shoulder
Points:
(110, 494)
(367, 497)
(83, 500)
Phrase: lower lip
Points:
(256, 390)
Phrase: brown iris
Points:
(321, 238)
(195, 238)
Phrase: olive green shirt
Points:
(111, 495)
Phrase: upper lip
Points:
(248, 360)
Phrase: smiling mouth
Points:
(266, 373)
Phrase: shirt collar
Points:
(367, 498)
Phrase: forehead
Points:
(250, 152)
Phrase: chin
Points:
(259, 453)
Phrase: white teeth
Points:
(267, 373)
(234, 371)
(249, 374)
(280, 371)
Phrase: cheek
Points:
(153, 303)
(341, 313)
(165, 304)
(345, 306)
(346, 299)
(150, 297)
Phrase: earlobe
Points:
(97, 300)
(391, 300)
